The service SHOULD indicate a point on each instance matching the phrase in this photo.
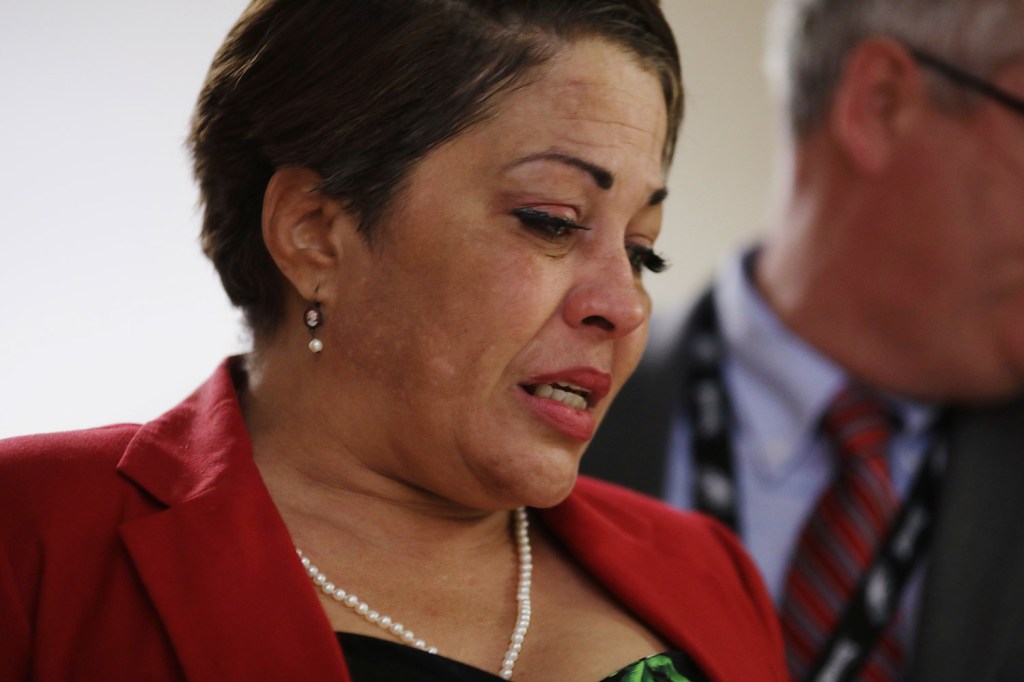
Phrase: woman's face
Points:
(477, 344)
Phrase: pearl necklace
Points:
(522, 537)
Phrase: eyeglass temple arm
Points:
(970, 80)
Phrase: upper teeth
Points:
(563, 393)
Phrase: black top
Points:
(371, 659)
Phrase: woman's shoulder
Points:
(64, 465)
(70, 448)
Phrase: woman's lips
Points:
(565, 399)
(575, 423)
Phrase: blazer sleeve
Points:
(15, 629)
(40, 478)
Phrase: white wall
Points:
(110, 313)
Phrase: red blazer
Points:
(154, 552)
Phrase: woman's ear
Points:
(878, 97)
(299, 225)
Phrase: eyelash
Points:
(640, 257)
(550, 225)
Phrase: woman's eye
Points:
(545, 223)
(641, 257)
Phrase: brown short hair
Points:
(359, 91)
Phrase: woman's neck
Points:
(322, 483)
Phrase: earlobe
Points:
(298, 228)
(874, 102)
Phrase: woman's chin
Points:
(546, 484)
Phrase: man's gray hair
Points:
(809, 40)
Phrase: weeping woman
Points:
(436, 216)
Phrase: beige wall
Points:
(720, 180)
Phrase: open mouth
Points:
(567, 394)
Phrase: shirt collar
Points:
(777, 381)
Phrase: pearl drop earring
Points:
(313, 318)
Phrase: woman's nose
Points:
(608, 298)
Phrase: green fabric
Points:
(658, 668)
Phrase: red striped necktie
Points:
(840, 537)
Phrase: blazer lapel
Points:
(232, 595)
(972, 623)
(218, 561)
(693, 605)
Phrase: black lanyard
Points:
(876, 599)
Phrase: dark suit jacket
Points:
(971, 625)
(154, 552)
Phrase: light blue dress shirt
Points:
(779, 388)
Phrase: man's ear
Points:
(299, 225)
(878, 98)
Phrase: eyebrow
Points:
(602, 177)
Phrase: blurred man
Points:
(848, 395)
